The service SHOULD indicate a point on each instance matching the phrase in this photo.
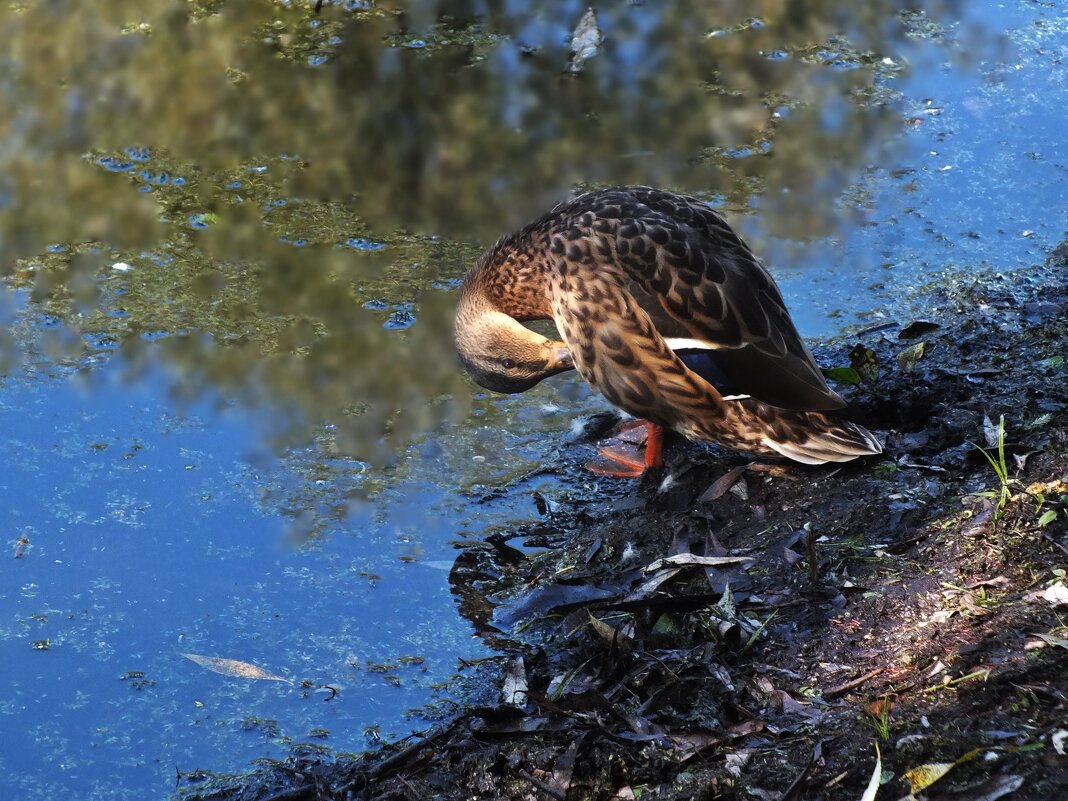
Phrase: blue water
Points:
(979, 179)
(157, 527)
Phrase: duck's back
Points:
(697, 280)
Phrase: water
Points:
(230, 235)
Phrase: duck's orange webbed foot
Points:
(625, 461)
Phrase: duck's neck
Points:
(511, 278)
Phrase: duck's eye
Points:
(508, 364)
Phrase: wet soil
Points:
(752, 631)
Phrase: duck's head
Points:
(503, 355)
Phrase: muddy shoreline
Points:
(751, 631)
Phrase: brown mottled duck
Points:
(665, 310)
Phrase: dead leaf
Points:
(791, 706)
(722, 484)
(690, 745)
(993, 788)
(993, 433)
(514, 688)
(1059, 738)
(1056, 594)
(545, 600)
(922, 777)
(609, 634)
(878, 707)
(691, 559)
(1049, 638)
(649, 586)
(745, 728)
(865, 362)
(735, 762)
(741, 489)
(907, 359)
(234, 667)
(917, 328)
(565, 768)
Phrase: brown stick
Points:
(813, 561)
(852, 685)
(817, 752)
(555, 792)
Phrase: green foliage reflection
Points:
(287, 191)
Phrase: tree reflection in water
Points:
(290, 192)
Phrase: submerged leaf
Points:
(234, 667)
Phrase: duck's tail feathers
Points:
(829, 440)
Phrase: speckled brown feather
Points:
(621, 269)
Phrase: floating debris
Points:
(585, 41)
(234, 667)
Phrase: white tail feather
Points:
(848, 442)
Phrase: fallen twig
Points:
(1046, 536)
(813, 561)
(817, 752)
(852, 685)
(545, 787)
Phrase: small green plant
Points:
(877, 716)
(999, 465)
(753, 637)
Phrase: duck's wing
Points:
(705, 290)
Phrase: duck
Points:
(665, 310)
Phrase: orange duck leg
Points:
(625, 463)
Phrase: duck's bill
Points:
(560, 359)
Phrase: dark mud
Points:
(904, 600)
